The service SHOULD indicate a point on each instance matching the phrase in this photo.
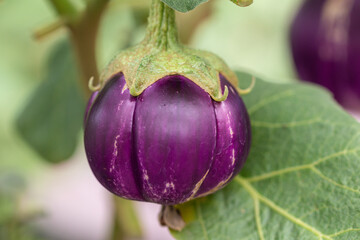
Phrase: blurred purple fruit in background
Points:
(169, 145)
(325, 42)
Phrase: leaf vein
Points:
(257, 217)
(254, 193)
(285, 124)
(345, 231)
(300, 167)
(320, 174)
(352, 139)
(270, 99)
(201, 220)
(277, 173)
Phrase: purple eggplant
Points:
(88, 106)
(168, 145)
(325, 42)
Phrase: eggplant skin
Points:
(168, 145)
(325, 45)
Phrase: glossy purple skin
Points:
(88, 106)
(318, 54)
(170, 144)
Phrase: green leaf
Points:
(183, 5)
(301, 180)
(21, 59)
(242, 3)
(52, 118)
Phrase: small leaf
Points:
(183, 5)
(52, 118)
(301, 180)
(242, 3)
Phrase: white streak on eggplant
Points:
(197, 186)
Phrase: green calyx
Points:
(160, 54)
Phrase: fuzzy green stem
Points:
(84, 37)
(83, 28)
(161, 31)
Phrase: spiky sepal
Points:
(160, 54)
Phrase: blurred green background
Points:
(42, 103)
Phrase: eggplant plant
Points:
(226, 153)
